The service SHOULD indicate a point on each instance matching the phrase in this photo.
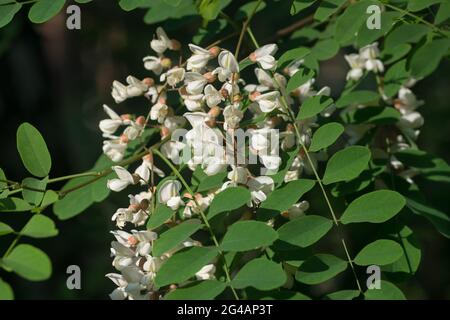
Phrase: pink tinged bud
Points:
(126, 116)
(124, 139)
(176, 45)
(132, 241)
(254, 95)
(148, 158)
(214, 112)
(214, 51)
(134, 207)
(162, 100)
(148, 81)
(140, 121)
(165, 132)
(252, 57)
(210, 77)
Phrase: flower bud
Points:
(125, 116)
(148, 81)
(176, 45)
(210, 77)
(254, 95)
(182, 91)
(140, 121)
(214, 51)
(145, 204)
(214, 112)
(148, 157)
(165, 132)
(237, 98)
(132, 241)
(124, 139)
(224, 93)
(134, 207)
(166, 63)
(252, 57)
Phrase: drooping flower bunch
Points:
(215, 104)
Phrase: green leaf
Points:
(174, 236)
(325, 136)
(313, 105)
(43, 10)
(261, 274)
(346, 164)
(162, 214)
(40, 226)
(372, 115)
(161, 11)
(291, 55)
(439, 219)
(320, 268)
(357, 97)
(359, 183)
(426, 59)
(228, 200)
(248, 235)
(3, 185)
(7, 13)
(246, 10)
(209, 9)
(374, 207)
(33, 196)
(380, 252)
(410, 261)
(387, 291)
(367, 36)
(443, 13)
(29, 262)
(299, 5)
(202, 290)
(184, 264)
(6, 292)
(50, 197)
(5, 229)
(283, 198)
(129, 5)
(349, 22)
(327, 8)
(303, 231)
(277, 294)
(211, 182)
(417, 5)
(13, 204)
(300, 77)
(32, 149)
(343, 295)
(395, 77)
(325, 49)
(405, 33)
(79, 200)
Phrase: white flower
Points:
(194, 82)
(143, 171)
(212, 96)
(172, 150)
(162, 41)
(124, 179)
(169, 194)
(206, 273)
(407, 101)
(174, 122)
(119, 92)
(370, 54)
(268, 101)
(159, 112)
(357, 66)
(232, 116)
(264, 56)
(298, 210)
(214, 164)
(173, 76)
(199, 59)
(153, 64)
(238, 175)
(227, 65)
(260, 187)
(193, 102)
(114, 149)
(412, 120)
(109, 126)
(135, 87)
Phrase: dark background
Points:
(57, 79)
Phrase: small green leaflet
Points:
(248, 235)
(380, 252)
(261, 274)
(325, 136)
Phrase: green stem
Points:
(244, 28)
(203, 216)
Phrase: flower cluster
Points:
(216, 103)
